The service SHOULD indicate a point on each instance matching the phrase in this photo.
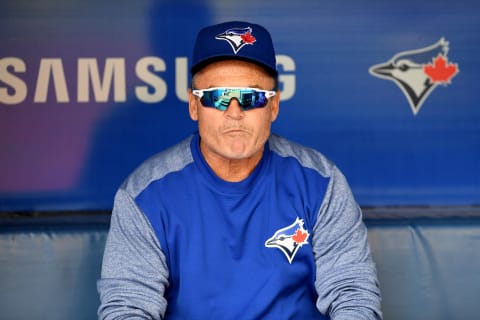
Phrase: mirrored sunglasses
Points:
(219, 98)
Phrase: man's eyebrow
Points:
(249, 86)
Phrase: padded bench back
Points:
(428, 269)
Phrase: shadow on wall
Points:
(130, 133)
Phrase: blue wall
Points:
(89, 89)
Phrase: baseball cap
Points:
(234, 40)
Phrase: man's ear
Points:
(275, 105)
(192, 105)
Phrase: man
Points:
(235, 222)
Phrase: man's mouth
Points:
(235, 131)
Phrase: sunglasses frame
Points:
(200, 93)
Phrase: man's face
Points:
(233, 134)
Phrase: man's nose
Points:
(234, 110)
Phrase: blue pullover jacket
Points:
(287, 242)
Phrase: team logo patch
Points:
(418, 72)
(289, 239)
(237, 37)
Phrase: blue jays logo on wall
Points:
(289, 239)
(237, 37)
(418, 72)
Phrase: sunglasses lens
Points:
(247, 98)
(214, 98)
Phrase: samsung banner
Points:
(387, 90)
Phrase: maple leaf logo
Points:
(289, 239)
(237, 38)
(418, 72)
(299, 237)
(441, 71)
(248, 38)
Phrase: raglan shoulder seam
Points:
(306, 156)
(158, 166)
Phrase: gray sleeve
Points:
(346, 279)
(134, 270)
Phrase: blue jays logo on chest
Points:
(289, 239)
(237, 37)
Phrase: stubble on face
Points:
(233, 140)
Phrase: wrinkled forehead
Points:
(233, 73)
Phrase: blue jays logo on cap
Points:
(246, 41)
(237, 37)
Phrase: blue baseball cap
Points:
(234, 40)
